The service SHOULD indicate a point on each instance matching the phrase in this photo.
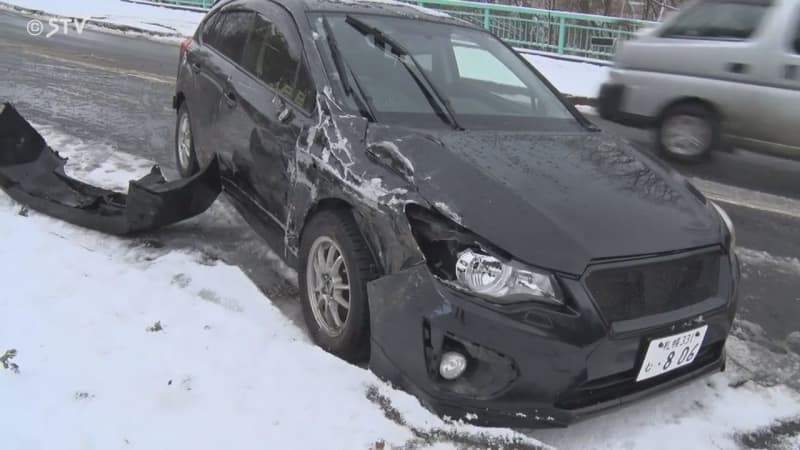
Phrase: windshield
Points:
(450, 74)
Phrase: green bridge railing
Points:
(566, 33)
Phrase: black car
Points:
(451, 217)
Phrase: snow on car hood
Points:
(556, 201)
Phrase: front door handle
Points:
(737, 67)
(196, 67)
(283, 113)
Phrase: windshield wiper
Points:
(437, 101)
(345, 73)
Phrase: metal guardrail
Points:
(561, 32)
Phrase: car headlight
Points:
(728, 223)
(487, 275)
(467, 262)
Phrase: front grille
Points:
(630, 291)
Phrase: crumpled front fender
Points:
(32, 173)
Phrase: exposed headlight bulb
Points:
(488, 275)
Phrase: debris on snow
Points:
(5, 361)
(83, 396)
(155, 328)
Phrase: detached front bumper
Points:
(33, 174)
(529, 366)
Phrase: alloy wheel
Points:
(686, 135)
(184, 142)
(328, 284)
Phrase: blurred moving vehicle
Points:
(718, 71)
(467, 230)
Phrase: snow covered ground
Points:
(121, 344)
(578, 79)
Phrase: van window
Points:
(796, 39)
(228, 34)
(274, 55)
(718, 20)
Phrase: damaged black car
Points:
(453, 220)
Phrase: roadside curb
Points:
(93, 23)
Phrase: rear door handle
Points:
(737, 67)
(230, 97)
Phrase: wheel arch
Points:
(334, 203)
(180, 99)
(689, 100)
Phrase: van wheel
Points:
(185, 155)
(688, 132)
(335, 266)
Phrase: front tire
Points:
(335, 266)
(688, 132)
(185, 155)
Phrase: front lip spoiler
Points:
(32, 173)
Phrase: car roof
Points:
(392, 8)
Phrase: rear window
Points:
(227, 33)
(273, 54)
(718, 20)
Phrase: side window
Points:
(274, 55)
(796, 39)
(718, 20)
(210, 33)
(231, 32)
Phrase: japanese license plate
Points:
(671, 352)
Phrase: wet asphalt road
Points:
(117, 90)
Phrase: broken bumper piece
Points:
(33, 174)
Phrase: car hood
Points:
(556, 201)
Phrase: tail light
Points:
(185, 45)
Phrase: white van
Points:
(718, 71)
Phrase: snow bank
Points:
(145, 17)
(573, 78)
(121, 345)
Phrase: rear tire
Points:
(329, 235)
(185, 155)
(688, 132)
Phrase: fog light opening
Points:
(452, 365)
